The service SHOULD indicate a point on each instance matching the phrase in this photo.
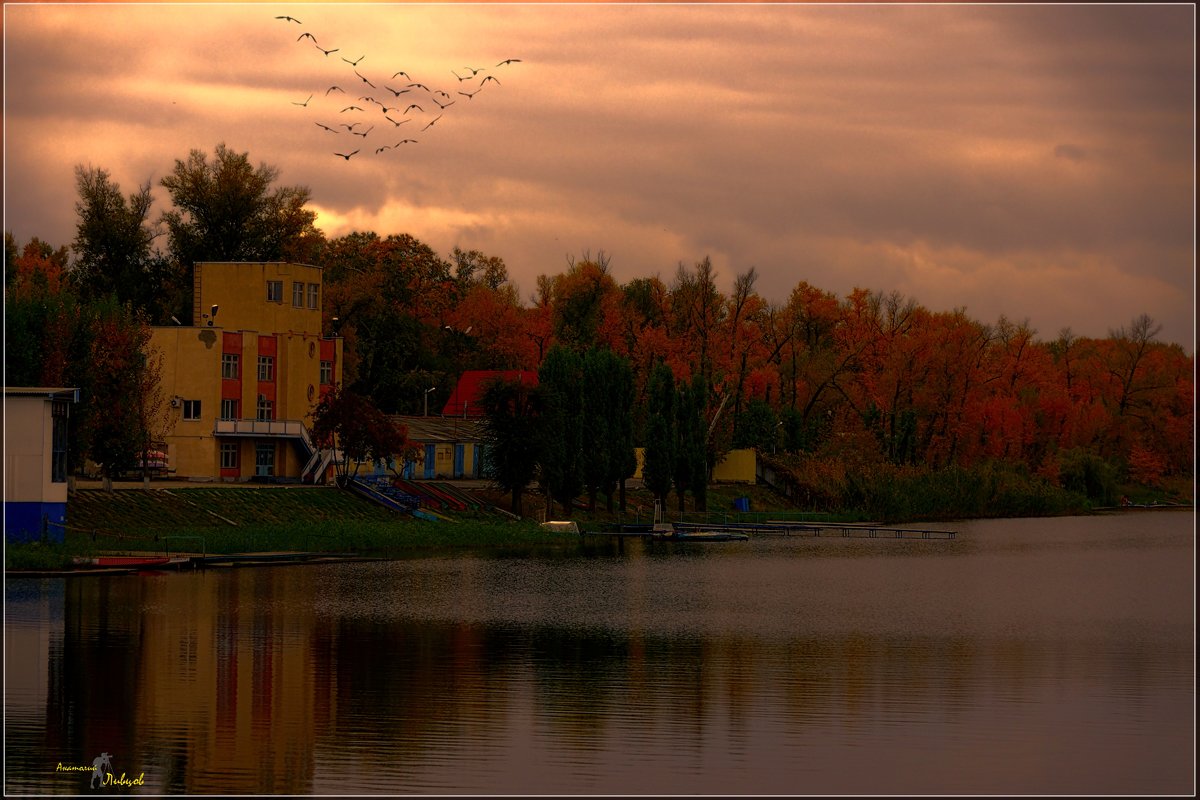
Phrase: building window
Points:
(58, 445)
(274, 291)
(297, 294)
(266, 368)
(191, 409)
(229, 455)
(266, 408)
(314, 295)
(264, 459)
(229, 409)
(326, 373)
(229, 366)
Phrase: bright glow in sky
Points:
(1035, 161)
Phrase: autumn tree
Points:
(392, 298)
(578, 297)
(227, 210)
(697, 315)
(113, 243)
(111, 420)
(474, 268)
(353, 426)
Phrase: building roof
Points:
(464, 400)
(52, 392)
(431, 430)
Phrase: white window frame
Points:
(230, 455)
(266, 367)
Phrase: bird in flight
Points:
(397, 124)
(405, 141)
(305, 103)
(411, 107)
(354, 63)
(326, 127)
(350, 127)
(440, 104)
(461, 78)
(488, 78)
(419, 86)
(309, 35)
(290, 19)
(364, 133)
(326, 52)
(508, 61)
(331, 88)
(379, 150)
(346, 155)
(405, 74)
(364, 80)
(430, 125)
(469, 95)
(349, 108)
(475, 70)
(395, 92)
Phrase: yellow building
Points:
(244, 377)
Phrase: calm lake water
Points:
(1036, 656)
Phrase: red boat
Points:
(125, 561)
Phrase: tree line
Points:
(872, 375)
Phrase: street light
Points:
(427, 391)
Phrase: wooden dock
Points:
(830, 529)
(698, 531)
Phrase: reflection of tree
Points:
(92, 698)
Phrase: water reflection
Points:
(776, 668)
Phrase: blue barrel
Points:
(741, 504)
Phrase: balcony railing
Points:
(293, 428)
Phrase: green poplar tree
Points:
(560, 379)
(512, 417)
(658, 466)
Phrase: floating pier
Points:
(726, 531)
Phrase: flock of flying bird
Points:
(407, 94)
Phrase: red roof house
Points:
(464, 400)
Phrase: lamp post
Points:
(427, 391)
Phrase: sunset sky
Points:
(1035, 161)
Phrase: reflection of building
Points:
(242, 391)
(35, 462)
